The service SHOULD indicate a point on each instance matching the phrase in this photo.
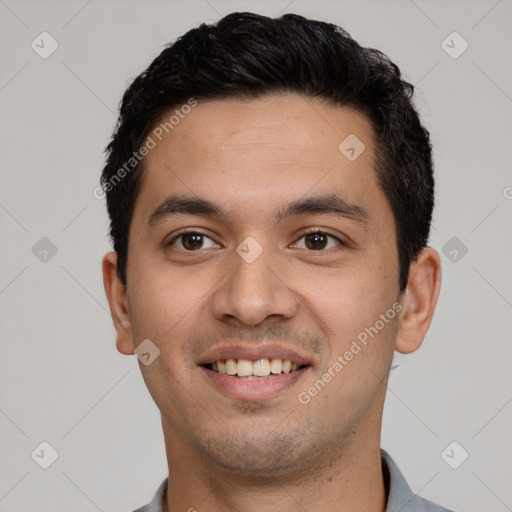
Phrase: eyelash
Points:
(311, 231)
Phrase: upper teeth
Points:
(259, 368)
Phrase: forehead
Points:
(284, 124)
(248, 154)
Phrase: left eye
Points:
(191, 241)
(318, 240)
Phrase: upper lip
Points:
(253, 353)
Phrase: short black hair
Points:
(246, 55)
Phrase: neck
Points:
(347, 477)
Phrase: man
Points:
(270, 191)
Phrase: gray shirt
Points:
(400, 497)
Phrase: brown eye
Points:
(318, 240)
(190, 241)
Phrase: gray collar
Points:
(400, 496)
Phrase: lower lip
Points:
(258, 389)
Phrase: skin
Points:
(250, 157)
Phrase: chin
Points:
(263, 456)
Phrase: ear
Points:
(116, 295)
(419, 300)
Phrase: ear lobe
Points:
(419, 300)
(116, 295)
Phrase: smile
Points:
(247, 380)
(251, 370)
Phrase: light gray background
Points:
(62, 380)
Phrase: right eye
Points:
(190, 241)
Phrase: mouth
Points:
(259, 369)
(254, 372)
(253, 379)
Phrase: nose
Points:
(253, 292)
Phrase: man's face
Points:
(199, 299)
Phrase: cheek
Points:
(159, 301)
(361, 341)
(347, 305)
(166, 303)
(350, 297)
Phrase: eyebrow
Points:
(330, 204)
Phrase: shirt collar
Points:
(399, 492)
